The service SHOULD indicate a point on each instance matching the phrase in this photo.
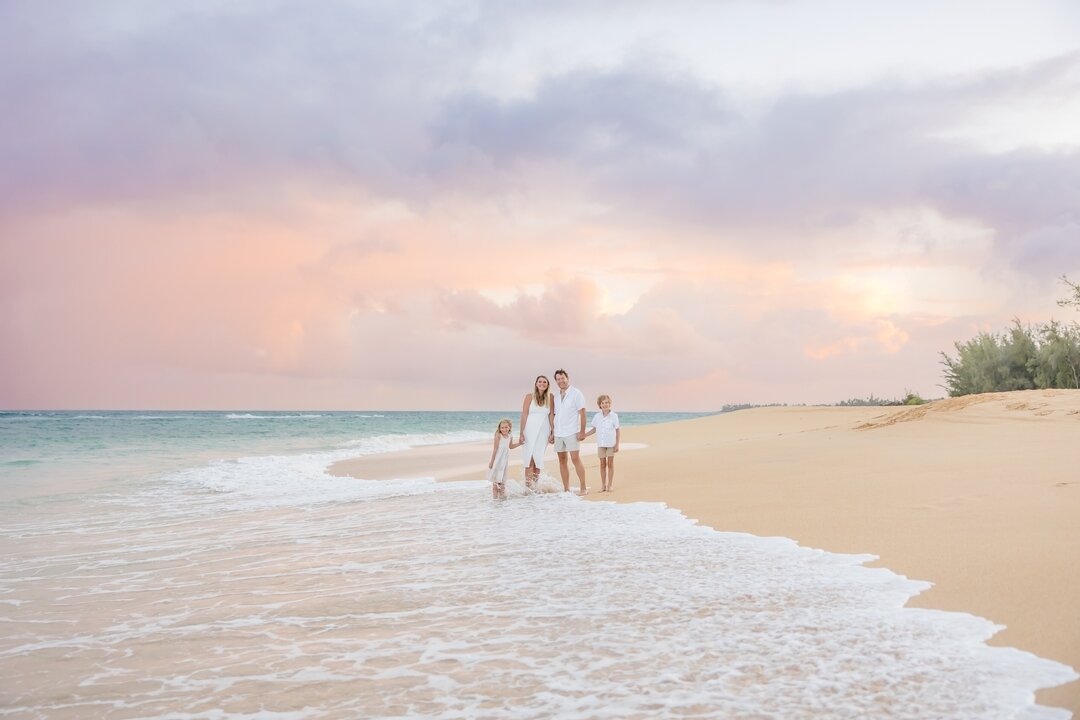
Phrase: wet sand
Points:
(979, 495)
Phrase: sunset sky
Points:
(423, 205)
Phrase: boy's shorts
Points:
(605, 452)
(569, 443)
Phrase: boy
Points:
(606, 426)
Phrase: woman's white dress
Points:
(497, 471)
(537, 429)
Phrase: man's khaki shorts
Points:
(567, 444)
(605, 452)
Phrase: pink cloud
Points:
(231, 312)
(272, 230)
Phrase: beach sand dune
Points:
(979, 495)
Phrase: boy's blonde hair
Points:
(602, 398)
(507, 421)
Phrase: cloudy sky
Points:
(381, 205)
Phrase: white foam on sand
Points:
(448, 604)
(301, 479)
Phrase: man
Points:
(569, 429)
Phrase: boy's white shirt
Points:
(605, 428)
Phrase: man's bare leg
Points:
(579, 467)
(564, 471)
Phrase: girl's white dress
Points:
(497, 471)
(537, 429)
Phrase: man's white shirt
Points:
(567, 409)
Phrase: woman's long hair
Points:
(541, 398)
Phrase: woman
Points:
(537, 418)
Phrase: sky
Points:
(424, 205)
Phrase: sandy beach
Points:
(979, 495)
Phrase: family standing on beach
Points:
(554, 417)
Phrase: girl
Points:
(501, 446)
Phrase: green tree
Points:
(1074, 300)
(992, 363)
(1046, 356)
(1058, 362)
(974, 368)
(1019, 357)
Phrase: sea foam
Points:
(429, 599)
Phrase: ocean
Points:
(204, 565)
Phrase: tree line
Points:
(1025, 357)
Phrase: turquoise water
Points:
(204, 565)
(48, 453)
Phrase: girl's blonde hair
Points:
(507, 421)
(541, 398)
(602, 398)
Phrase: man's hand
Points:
(581, 436)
